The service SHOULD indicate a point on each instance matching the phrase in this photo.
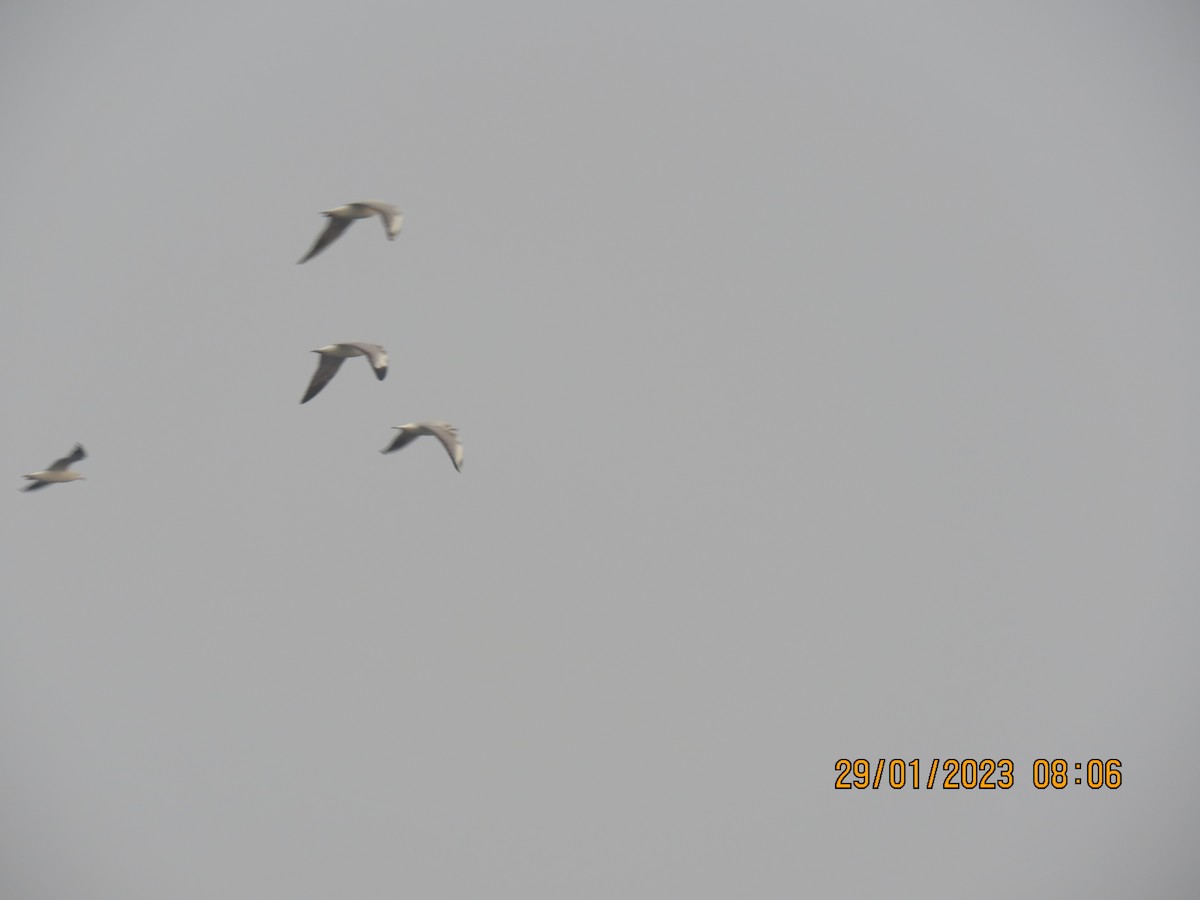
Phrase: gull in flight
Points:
(443, 431)
(334, 355)
(342, 217)
(59, 470)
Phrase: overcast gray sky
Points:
(827, 374)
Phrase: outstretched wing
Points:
(74, 456)
(390, 216)
(448, 435)
(35, 486)
(326, 369)
(332, 232)
(377, 356)
(405, 436)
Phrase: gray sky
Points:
(827, 376)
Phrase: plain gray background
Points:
(827, 377)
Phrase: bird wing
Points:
(376, 356)
(448, 435)
(332, 232)
(390, 216)
(35, 486)
(405, 437)
(76, 454)
(326, 368)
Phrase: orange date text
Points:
(947, 774)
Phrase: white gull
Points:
(58, 471)
(342, 217)
(332, 357)
(443, 431)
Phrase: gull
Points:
(342, 217)
(59, 470)
(334, 355)
(443, 431)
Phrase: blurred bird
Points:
(342, 217)
(58, 471)
(443, 431)
(334, 355)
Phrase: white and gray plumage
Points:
(443, 431)
(342, 217)
(58, 471)
(334, 355)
